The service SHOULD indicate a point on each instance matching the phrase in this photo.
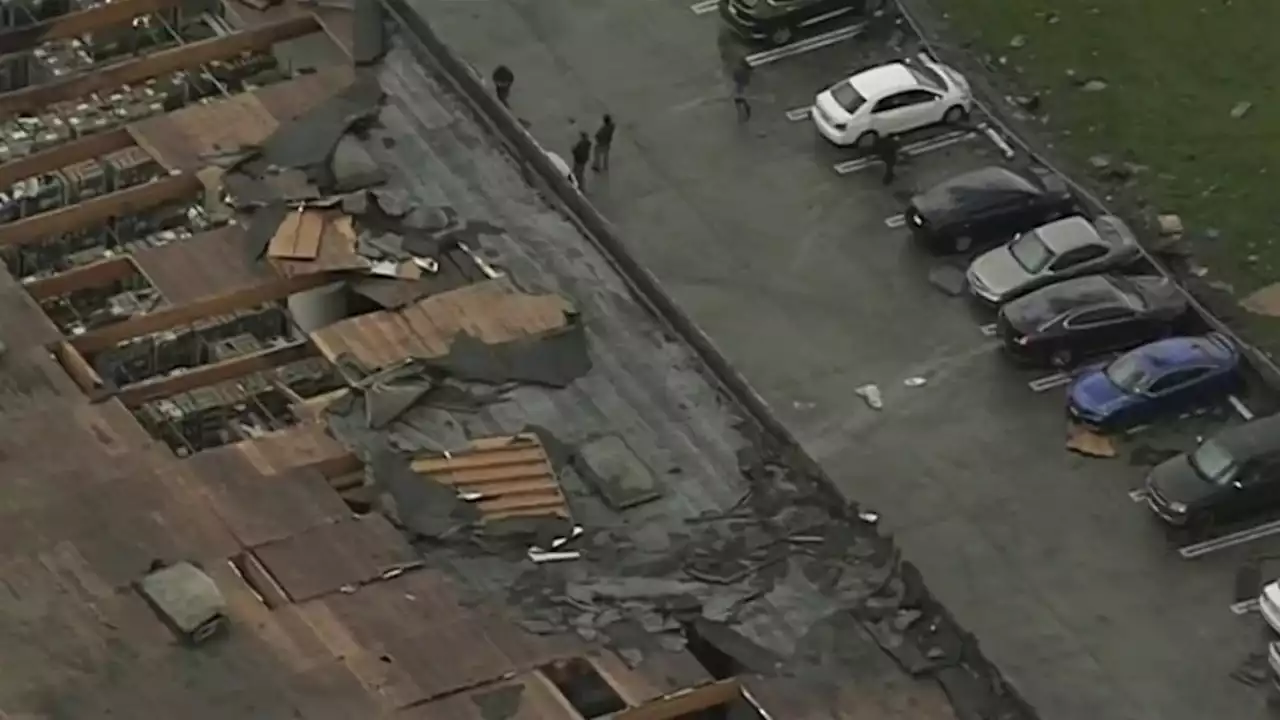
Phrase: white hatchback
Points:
(891, 99)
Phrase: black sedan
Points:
(1232, 475)
(778, 22)
(985, 207)
(1059, 324)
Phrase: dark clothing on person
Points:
(741, 76)
(743, 106)
(887, 150)
(503, 78)
(604, 139)
(581, 156)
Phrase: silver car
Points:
(1062, 249)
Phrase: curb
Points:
(1266, 368)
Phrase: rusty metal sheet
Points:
(505, 477)
(207, 265)
(492, 311)
(335, 555)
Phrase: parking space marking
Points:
(803, 46)
(1240, 537)
(914, 149)
(1244, 607)
(706, 7)
(989, 329)
(1240, 408)
(998, 140)
(895, 221)
(798, 114)
(1139, 495)
(1049, 382)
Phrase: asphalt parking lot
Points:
(804, 278)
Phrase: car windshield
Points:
(1127, 373)
(1031, 252)
(928, 77)
(847, 98)
(1213, 463)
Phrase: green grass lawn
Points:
(1174, 70)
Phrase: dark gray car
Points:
(1062, 249)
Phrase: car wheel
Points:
(866, 140)
(781, 36)
(963, 243)
(1061, 358)
(955, 115)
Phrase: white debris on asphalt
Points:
(914, 381)
(871, 393)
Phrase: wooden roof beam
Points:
(185, 57)
(685, 702)
(95, 211)
(212, 374)
(93, 275)
(59, 156)
(178, 316)
(78, 23)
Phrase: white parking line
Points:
(1244, 607)
(1240, 537)
(989, 329)
(798, 114)
(896, 221)
(706, 7)
(998, 140)
(1049, 382)
(1240, 408)
(914, 149)
(1139, 495)
(803, 46)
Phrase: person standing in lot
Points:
(604, 139)
(503, 79)
(886, 149)
(742, 79)
(581, 156)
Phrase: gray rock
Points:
(356, 203)
(1094, 85)
(1241, 109)
(1212, 233)
(1018, 42)
(1100, 162)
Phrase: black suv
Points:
(777, 22)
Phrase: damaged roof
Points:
(549, 500)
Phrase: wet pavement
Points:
(800, 277)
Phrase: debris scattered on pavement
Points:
(1086, 442)
(871, 393)
(1170, 225)
(1241, 109)
(1265, 301)
(914, 381)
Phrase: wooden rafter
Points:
(64, 154)
(185, 57)
(78, 23)
(212, 374)
(93, 275)
(96, 211)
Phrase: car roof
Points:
(974, 188)
(1182, 352)
(1051, 301)
(1252, 438)
(991, 177)
(1067, 234)
(883, 79)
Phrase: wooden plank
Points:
(537, 469)
(34, 98)
(205, 375)
(81, 372)
(685, 702)
(93, 275)
(285, 237)
(64, 154)
(298, 237)
(475, 461)
(95, 211)
(537, 680)
(172, 317)
(75, 24)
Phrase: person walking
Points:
(581, 156)
(503, 78)
(886, 149)
(741, 76)
(604, 139)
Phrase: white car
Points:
(891, 99)
(1269, 605)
